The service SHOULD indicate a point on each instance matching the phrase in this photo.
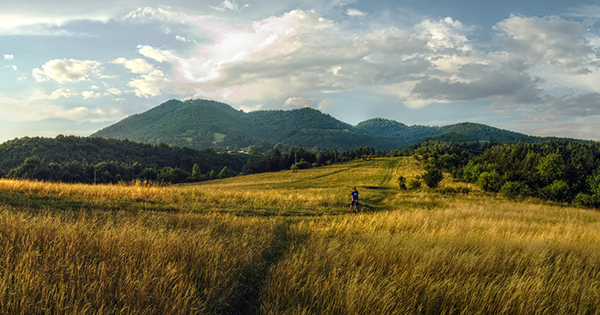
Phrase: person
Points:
(354, 204)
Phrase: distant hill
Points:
(463, 132)
(200, 124)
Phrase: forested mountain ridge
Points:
(201, 124)
(462, 132)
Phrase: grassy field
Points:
(285, 243)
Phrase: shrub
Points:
(402, 182)
(433, 177)
(585, 200)
(490, 181)
(557, 191)
(414, 183)
(514, 189)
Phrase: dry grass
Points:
(479, 256)
(284, 243)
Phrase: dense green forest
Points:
(557, 170)
(89, 160)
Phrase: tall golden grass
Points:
(284, 243)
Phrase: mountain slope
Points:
(200, 124)
(463, 132)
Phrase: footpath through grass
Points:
(284, 243)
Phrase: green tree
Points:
(32, 168)
(551, 168)
(490, 181)
(224, 173)
(433, 177)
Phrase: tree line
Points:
(35, 168)
(558, 170)
(277, 160)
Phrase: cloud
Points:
(137, 65)
(549, 40)
(90, 94)
(554, 108)
(153, 53)
(60, 93)
(38, 106)
(325, 104)
(149, 85)
(67, 70)
(13, 67)
(295, 53)
(229, 5)
(299, 101)
(354, 12)
(9, 57)
(163, 13)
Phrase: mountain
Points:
(200, 124)
(463, 132)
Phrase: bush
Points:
(557, 191)
(433, 177)
(414, 183)
(514, 189)
(585, 200)
(402, 182)
(490, 181)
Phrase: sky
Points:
(73, 67)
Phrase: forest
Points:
(96, 160)
(557, 170)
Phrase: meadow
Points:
(285, 243)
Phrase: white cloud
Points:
(113, 91)
(354, 12)
(38, 106)
(325, 104)
(60, 93)
(9, 57)
(163, 13)
(153, 53)
(13, 67)
(90, 94)
(550, 40)
(229, 5)
(299, 101)
(149, 85)
(137, 65)
(67, 70)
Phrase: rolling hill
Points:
(201, 124)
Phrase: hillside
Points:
(462, 132)
(200, 124)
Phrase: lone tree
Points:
(433, 177)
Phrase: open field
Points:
(284, 243)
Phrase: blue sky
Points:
(70, 67)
